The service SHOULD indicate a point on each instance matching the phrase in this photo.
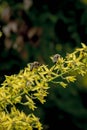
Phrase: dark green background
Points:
(62, 26)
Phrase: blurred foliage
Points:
(35, 29)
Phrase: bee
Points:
(55, 58)
(28, 83)
(33, 65)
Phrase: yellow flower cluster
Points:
(32, 83)
(16, 120)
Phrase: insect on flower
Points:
(33, 65)
(28, 83)
(55, 58)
